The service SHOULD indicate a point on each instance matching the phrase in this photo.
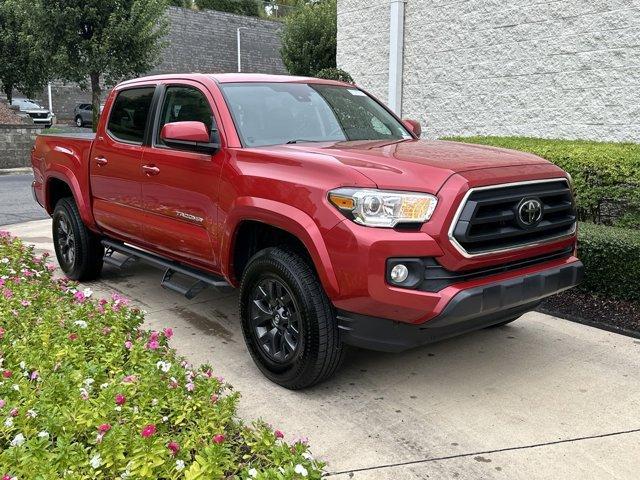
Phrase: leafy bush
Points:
(611, 257)
(309, 38)
(86, 394)
(335, 74)
(249, 8)
(606, 175)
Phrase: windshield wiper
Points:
(302, 140)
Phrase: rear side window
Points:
(129, 114)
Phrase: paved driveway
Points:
(16, 200)
(542, 398)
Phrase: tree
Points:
(181, 3)
(106, 40)
(249, 8)
(335, 74)
(24, 60)
(309, 38)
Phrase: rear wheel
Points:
(287, 320)
(79, 121)
(78, 250)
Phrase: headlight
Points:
(381, 208)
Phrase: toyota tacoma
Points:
(337, 223)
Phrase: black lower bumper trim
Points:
(469, 310)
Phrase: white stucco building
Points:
(547, 68)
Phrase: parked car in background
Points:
(40, 115)
(83, 114)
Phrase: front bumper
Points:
(470, 309)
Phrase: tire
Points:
(307, 320)
(79, 122)
(78, 250)
(505, 322)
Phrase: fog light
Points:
(399, 273)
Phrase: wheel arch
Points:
(60, 184)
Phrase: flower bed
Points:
(85, 393)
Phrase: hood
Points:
(416, 164)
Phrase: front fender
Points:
(287, 218)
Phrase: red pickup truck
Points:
(338, 224)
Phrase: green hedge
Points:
(611, 257)
(606, 175)
(86, 393)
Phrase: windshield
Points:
(26, 104)
(278, 113)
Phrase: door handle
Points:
(150, 170)
(101, 161)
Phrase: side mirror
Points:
(413, 126)
(188, 136)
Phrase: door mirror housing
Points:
(191, 136)
(413, 126)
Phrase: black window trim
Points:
(161, 92)
(152, 106)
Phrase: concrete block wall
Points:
(550, 68)
(197, 42)
(15, 145)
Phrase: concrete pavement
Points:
(16, 201)
(543, 398)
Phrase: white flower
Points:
(135, 410)
(5, 260)
(164, 366)
(43, 434)
(154, 402)
(16, 388)
(22, 365)
(8, 422)
(253, 472)
(118, 408)
(80, 323)
(104, 385)
(17, 440)
(179, 465)
(89, 381)
(307, 455)
(32, 413)
(87, 292)
(301, 470)
(96, 461)
(165, 418)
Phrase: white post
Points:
(239, 59)
(50, 101)
(396, 54)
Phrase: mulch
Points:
(596, 310)
(7, 116)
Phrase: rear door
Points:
(115, 170)
(180, 188)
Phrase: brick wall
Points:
(197, 42)
(15, 144)
(547, 68)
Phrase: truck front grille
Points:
(512, 216)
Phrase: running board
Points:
(131, 254)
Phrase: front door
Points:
(115, 172)
(180, 187)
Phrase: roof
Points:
(236, 78)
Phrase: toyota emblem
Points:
(529, 212)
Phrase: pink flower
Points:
(51, 267)
(14, 412)
(73, 336)
(190, 387)
(168, 332)
(1, 282)
(120, 399)
(129, 379)
(153, 345)
(25, 303)
(7, 373)
(173, 383)
(104, 428)
(128, 344)
(2, 403)
(214, 398)
(79, 297)
(6, 476)
(34, 375)
(174, 447)
(106, 330)
(279, 434)
(218, 438)
(148, 430)
(2, 332)
(7, 293)
(154, 336)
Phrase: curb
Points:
(15, 171)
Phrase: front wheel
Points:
(287, 320)
(78, 250)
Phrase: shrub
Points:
(309, 38)
(249, 8)
(86, 394)
(611, 257)
(606, 175)
(335, 74)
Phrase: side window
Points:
(184, 104)
(129, 114)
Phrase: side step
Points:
(171, 268)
